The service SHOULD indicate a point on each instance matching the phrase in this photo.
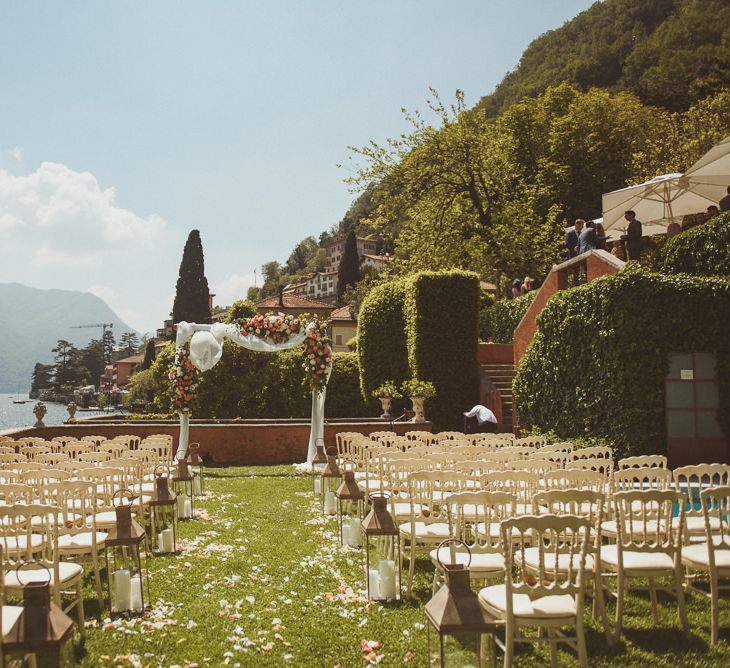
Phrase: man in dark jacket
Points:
(633, 236)
(572, 238)
(725, 201)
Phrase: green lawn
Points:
(261, 580)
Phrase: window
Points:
(338, 339)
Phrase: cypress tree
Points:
(191, 294)
(149, 355)
(348, 273)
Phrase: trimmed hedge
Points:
(701, 251)
(599, 359)
(501, 319)
(381, 337)
(247, 384)
(442, 320)
(426, 327)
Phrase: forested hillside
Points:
(625, 91)
(670, 53)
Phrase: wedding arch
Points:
(199, 348)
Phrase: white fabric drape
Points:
(205, 351)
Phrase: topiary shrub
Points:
(343, 390)
(382, 346)
(441, 313)
(501, 319)
(598, 362)
(701, 251)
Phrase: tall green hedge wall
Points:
(442, 322)
(381, 337)
(599, 358)
(424, 326)
(247, 384)
(501, 318)
(702, 251)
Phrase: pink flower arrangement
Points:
(183, 377)
(272, 327)
(317, 356)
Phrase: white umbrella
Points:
(657, 202)
(712, 170)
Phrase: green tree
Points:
(348, 273)
(302, 254)
(108, 345)
(129, 343)
(41, 378)
(64, 358)
(240, 311)
(192, 293)
(149, 355)
(92, 358)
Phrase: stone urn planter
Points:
(385, 404)
(385, 393)
(418, 409)
(418, 391)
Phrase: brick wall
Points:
(228, 444)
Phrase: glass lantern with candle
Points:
(41, 626)
(382, 551)
(163, 514)
(349, 510)
(197, 466)
(318, 463)
(125, 580)
(454, 609)
(331, 476)
(183, 486)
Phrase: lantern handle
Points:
(30, 583)
(379, 495)
(448, 541)
(123, 494)
(193, 447)
(157, 468)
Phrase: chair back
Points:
(564, 538)
(645, 520)
(470, 515)
(691, 480)
(716, 506)
(643, 461)
(593, 452)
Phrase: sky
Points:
(125, 125)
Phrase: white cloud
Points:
(231, 288)
(67, 212)
(17, 152)
(60, 229)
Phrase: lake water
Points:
(21, 415)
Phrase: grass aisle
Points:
(262, 581)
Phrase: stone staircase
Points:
(500, 377)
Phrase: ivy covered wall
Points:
(599, 359)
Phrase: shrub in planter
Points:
(418, 388)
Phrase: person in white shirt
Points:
(480, 420)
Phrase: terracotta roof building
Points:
(294, 305)
(344, 327)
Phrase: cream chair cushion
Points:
(481, 562)
(637, 561)
(494, 600)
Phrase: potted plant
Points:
(386, 393)
(418, 391)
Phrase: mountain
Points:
(33, 320)
(670, 53)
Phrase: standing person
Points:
(573, 236)
(711, 212)
(633, 236)
(528, 285)
(516, 288)
(600, 237)
(725, 201)
(480, 420)
(617, 250)
(587, 239)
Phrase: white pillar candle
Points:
(165, 540)
(188, 508)
(318, 485)
(180, 500)
(374, 584)
(122, 589)
(387, 579)
(136, 594)
(330, 506)
(197, 486)
(354, 529)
